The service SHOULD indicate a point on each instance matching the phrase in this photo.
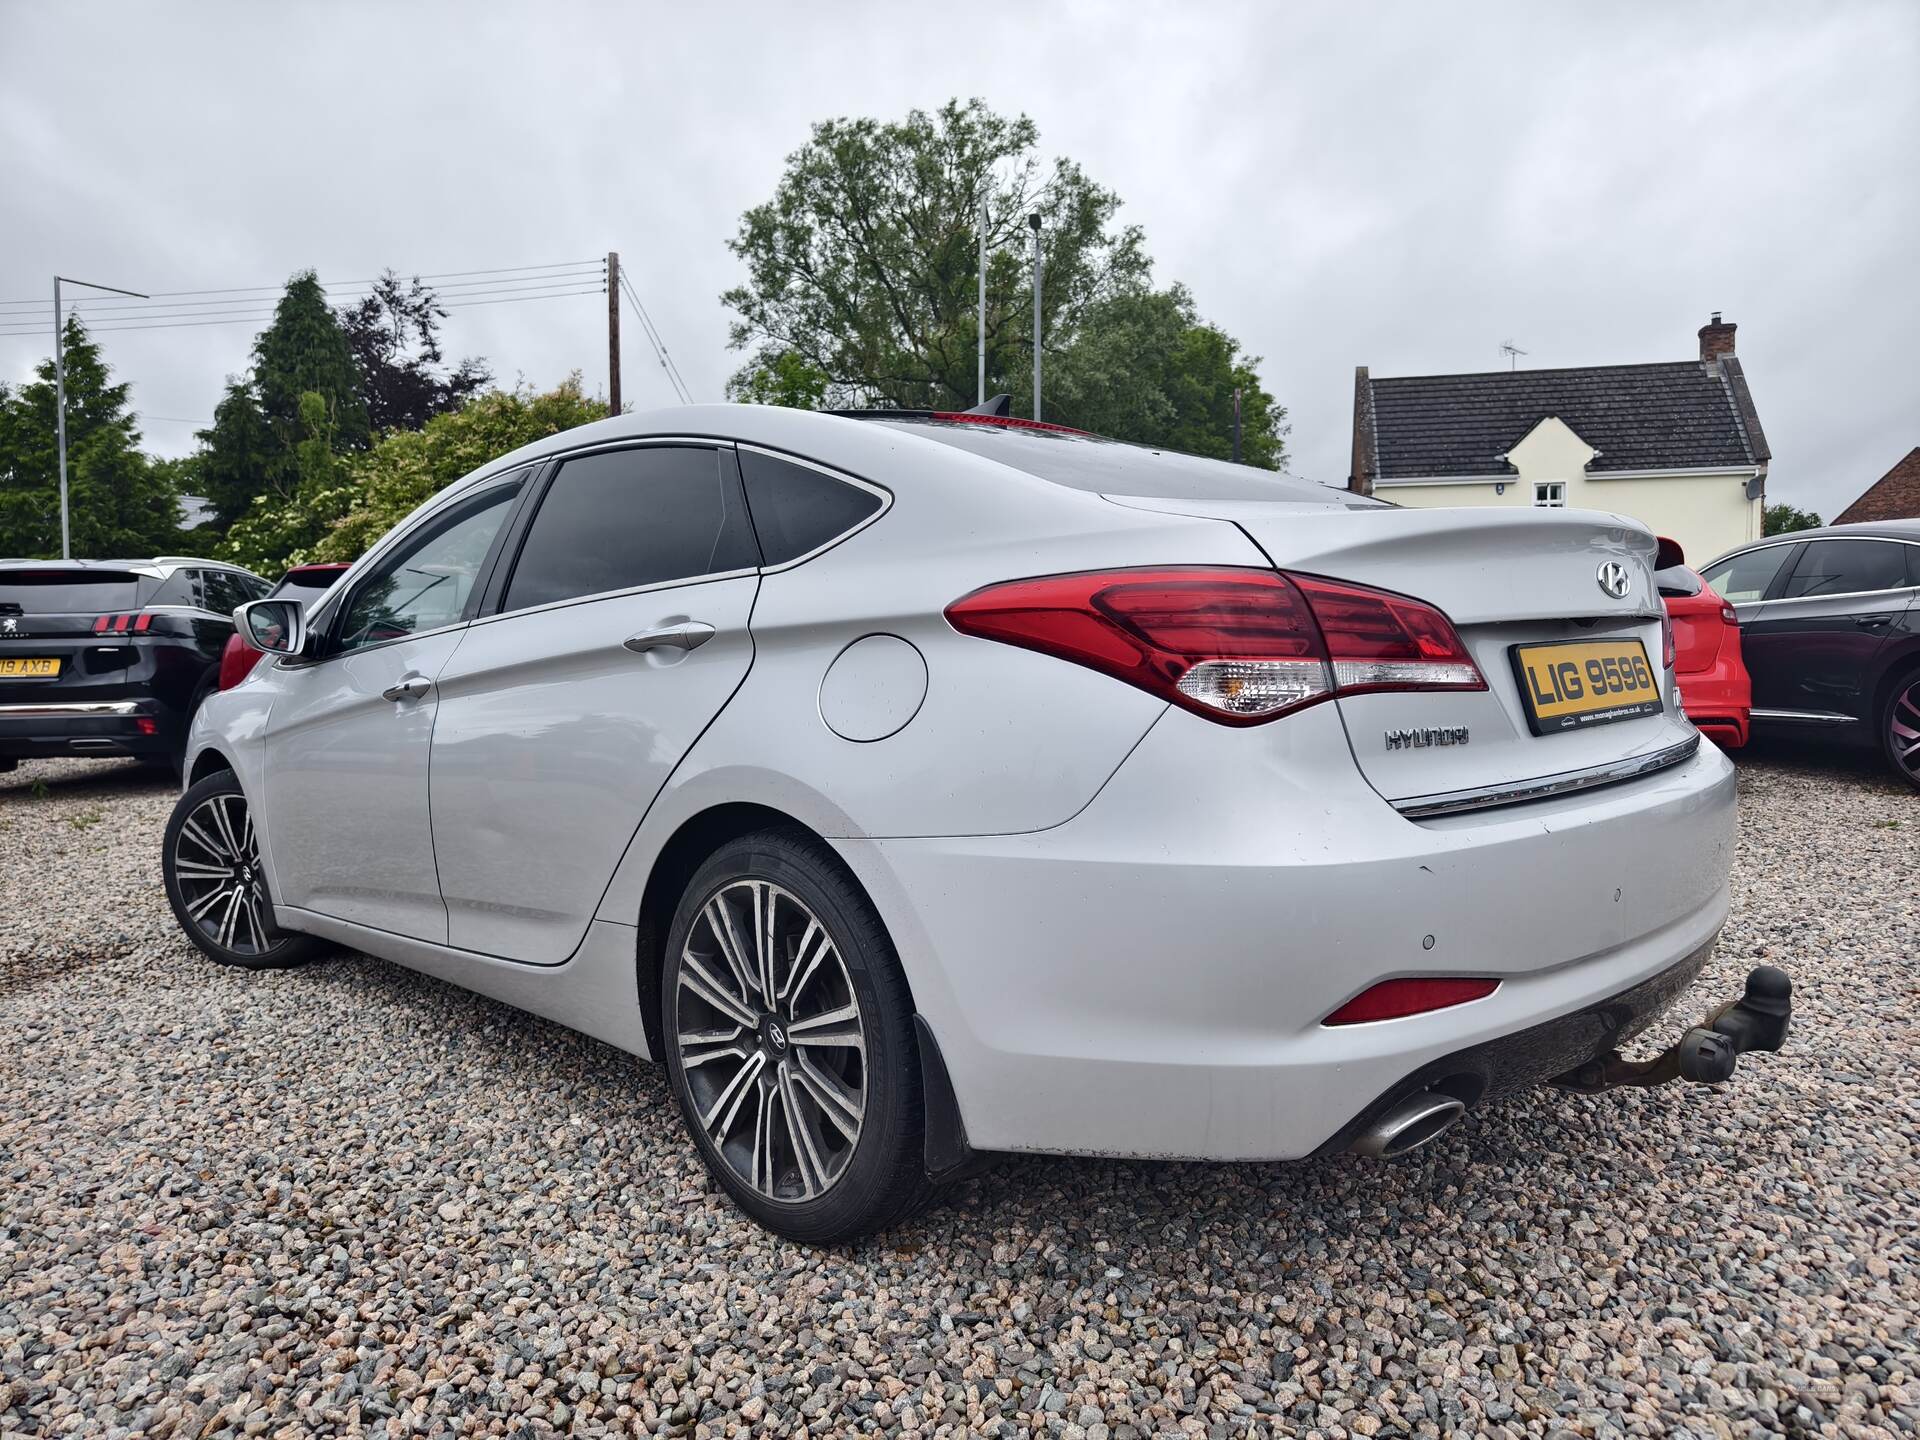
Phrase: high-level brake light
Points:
(1236, 645)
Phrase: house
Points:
(1675, 444)
(1894, 496)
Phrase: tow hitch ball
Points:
(1707, 1053)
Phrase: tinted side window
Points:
(426, 582)
(224, 593)
(1745, 578)
(797, 509)
(625, 518)
(1844, 567)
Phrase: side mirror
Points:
(1669, 554)
(278, 627)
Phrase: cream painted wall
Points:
(1707, 514)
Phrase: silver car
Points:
(927, 786)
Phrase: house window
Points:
(1552, 494)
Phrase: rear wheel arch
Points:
(685, 851)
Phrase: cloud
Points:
(1402, 186)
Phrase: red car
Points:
(1714, 689)
(305, 583)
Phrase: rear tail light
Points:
(1728, 614)
(1238, 646)
(1666, 642)
(1393, 999)
(129, 624)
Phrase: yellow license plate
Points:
(1581, 683)
(29, 667)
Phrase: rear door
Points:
(51, 644)
(616, 636)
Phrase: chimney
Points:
(1716, 339)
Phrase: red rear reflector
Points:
(1393, 999)
(1239, 646)
(147, 725)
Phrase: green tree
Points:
(253, 448)
(120, 502)
(781, 378)
(1145, 367)
(862, 266)
(1784, 520)
(345, 504)
(269, 532)
(862, 276)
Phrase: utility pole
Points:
(1236, 424)
(60, 397)
(613, 332)
(980, 325)
(1034, 221)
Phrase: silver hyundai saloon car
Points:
(925, 786)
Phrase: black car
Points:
(1830, 628)
(111, 657)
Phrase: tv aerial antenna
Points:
(1512, 352)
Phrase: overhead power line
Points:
(653, 339)
(191, 319)
(584, 267)
(463, 290)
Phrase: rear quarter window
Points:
(797, 509)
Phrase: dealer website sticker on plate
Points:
(1579, 683)
(25, 667)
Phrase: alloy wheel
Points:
(770, 1041)
(216, 863)
(1903, 731)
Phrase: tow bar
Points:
(1706, 1054)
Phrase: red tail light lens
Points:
(1393, 999)
(1238, 646)
(140, 625)
(1728, 614)
(1666, 642)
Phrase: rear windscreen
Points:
(305, 586)
(1111, 467)
(63, 592)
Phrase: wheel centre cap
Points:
(773, 1034)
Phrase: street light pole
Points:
(60, 397)
(980, 323)
(1034, 221)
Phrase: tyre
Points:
(218, 890)
(789, 1041)
(1900, 727)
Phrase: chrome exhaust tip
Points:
(1408, 1125)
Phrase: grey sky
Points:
(1402, 186)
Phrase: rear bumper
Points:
(49, 729)
(1149, 978)
(1718, 699)
(1529, 1057)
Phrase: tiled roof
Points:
(1894, 496)
(1668, 416)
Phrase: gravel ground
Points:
(347, 1199)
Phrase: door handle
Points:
(412, 687)
(1872, 622)
(687, 635)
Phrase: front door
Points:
(1810, 649)
(620, 633)
(350, 733)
